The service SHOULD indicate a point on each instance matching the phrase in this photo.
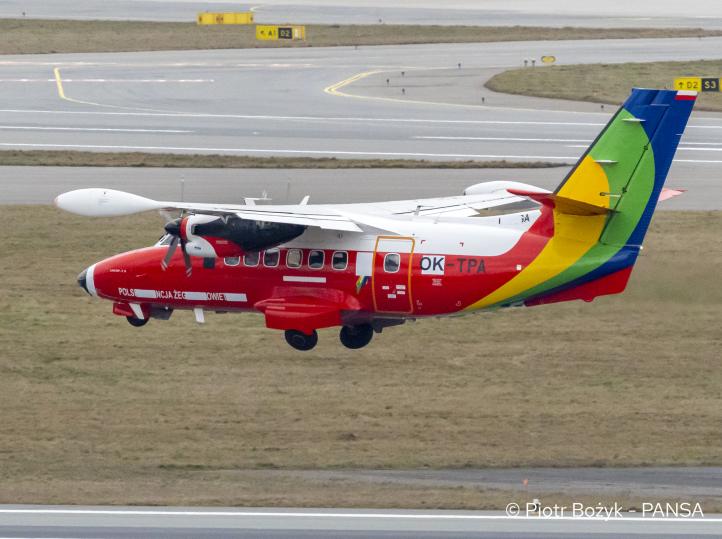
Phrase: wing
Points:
(97, 202)
(108, 203)
(477, 198)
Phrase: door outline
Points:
(409, 272)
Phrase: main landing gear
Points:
(301, 341)
(356, 337)
(353, 337)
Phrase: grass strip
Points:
(61, 158)
(30, 36)
(606, 83)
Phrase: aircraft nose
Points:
(83, 280)
(86, 280)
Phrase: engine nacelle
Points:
(210, 236)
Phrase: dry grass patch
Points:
(57, 158)
(606, 83)
(95, 410)
(24, 36)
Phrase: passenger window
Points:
(270, 258)
(392, 261)
(315, 259)
(251, 259)
(294, 258)
(339, 260)
(232, 260)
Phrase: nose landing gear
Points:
(356, 337)
(136, 322)
(301, 341)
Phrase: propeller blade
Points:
(171, 249)
(186, 258)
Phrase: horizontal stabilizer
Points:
(668, 193)
(563, 204)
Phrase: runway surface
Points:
(81, 522)
(40, 185)
(289, 102)
(613, 13)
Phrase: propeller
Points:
(173, 228)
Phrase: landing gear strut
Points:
(136, 322)
(301, 341)
(355, 337)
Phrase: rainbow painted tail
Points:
(602, 209)
(622, 173)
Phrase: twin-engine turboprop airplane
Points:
(365, 267)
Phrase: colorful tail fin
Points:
(602, 209)
(623, 170)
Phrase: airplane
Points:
(366, 267)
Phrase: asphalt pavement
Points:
(81, 522)
(40, 185)
(292, 102)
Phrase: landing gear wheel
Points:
(355, 337)
(301, 341)
(136, 322)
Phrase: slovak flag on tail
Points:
(366, 267)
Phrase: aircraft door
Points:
(391, 279)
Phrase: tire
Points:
(355, 337)
(301, 341)
(136, 322)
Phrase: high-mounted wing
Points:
(493, 195)
(98, 202)
(108, 202)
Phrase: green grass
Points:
(24, 36)
(606, 83)
(171, 160)
(95, 411)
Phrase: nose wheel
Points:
(301, 341)
(136, 322)
(356, 337)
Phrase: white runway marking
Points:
(697, 161)
(356, 515)
(104, 129)
(680, 148)
(504, 139)
(111, 80)
(702, 143)
(299, 118)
